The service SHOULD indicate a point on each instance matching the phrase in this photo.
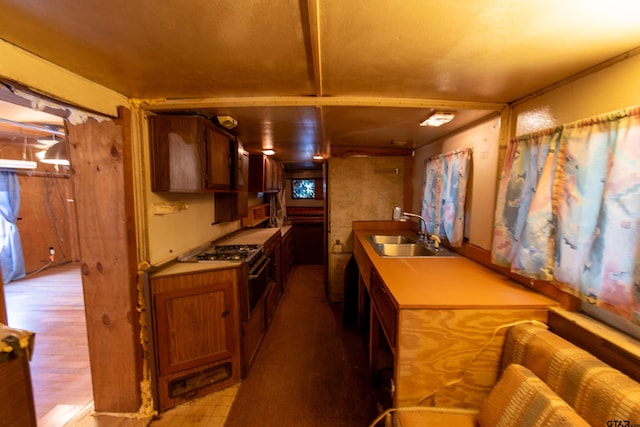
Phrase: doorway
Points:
(47, 298)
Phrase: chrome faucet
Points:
(398, 215)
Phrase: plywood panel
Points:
(435, 347)
(101, 161)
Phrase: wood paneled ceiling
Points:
(316, 75)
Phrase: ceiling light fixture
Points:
(17, 164)
(57, 154)
(438, 118)
(268, 152)
(48, 141)
(227, 121)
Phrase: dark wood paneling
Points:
(307, 240)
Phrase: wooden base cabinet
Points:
(16, 395)
(197, 343)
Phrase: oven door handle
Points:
(264, 265)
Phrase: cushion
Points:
(520, 398)
(595, 390)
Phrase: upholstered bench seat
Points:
(545, 381)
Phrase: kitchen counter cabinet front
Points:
(196, 318)
(429, 318)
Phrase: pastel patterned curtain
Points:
(597, 198)
(577, 221)
(445, 193)
(523, 222)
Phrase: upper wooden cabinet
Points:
(189, 155)
(265, 174)
(232, 205)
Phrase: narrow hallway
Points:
(309, 371)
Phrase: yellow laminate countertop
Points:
(244, 237)
(251, 236)
(447, 282)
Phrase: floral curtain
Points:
(523, 217)
(580, 220)
(445, 192)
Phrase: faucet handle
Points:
(396, 215)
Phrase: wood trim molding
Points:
(483, 256)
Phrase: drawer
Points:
(385, 308)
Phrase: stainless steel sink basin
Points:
(403, 250)
(391, 239)
(399, 246)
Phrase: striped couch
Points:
(545, 381)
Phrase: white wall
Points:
(484, 140)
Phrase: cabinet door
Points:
(384, 307)
(243, 180)
(176, 146)
(218, 163)
(194, 326)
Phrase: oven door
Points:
(257, 283)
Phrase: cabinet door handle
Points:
(226, 313)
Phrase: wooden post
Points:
(102, 181)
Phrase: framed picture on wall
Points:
(303, 189)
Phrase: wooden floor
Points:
(50, 304)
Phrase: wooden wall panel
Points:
(48, 220)
(102, 178)
(435, 346)
(47, 211)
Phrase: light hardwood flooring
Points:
(50, 303)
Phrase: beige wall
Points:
(614, 87)
(29, 70)
(165, 236)
(360, 188)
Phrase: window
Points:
(303, 189)
(567, 212)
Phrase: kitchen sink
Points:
(392, 239)
(399, 246)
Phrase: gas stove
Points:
(228, 253)
(248, 253)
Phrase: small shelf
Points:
(257, 215)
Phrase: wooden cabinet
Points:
(286, 256)
(16, 395)
(233, 205)
(429, 318)
(189, 155)
(218, 165)
(385, 308)
(196, 330)
(265, 174)
(272, 251)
